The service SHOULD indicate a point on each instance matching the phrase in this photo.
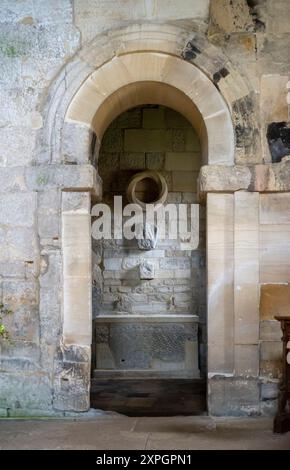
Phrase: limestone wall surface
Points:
(244, 46)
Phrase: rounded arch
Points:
(150, 77)
(171, 41)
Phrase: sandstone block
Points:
(177, 140)
(247, 360)
(132, 160)
(182, 161)
(77, 143)
(274, 300)
(184, 181)
(153, 118)
(113, 140)
(217, 178)
(274, 253)
(274, 208)
(270, 330)
(130, 119)
(175, 120)
(230, 17)
(192, 143)
(146, 140)
(155, 161)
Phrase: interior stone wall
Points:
(245, 53)
(155, 138)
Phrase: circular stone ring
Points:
(154, 176)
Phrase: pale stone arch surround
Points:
(118, 70)
(143, 74)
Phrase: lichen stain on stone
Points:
(27, 20)
(12, 50)
(42, 180)
(9, 50)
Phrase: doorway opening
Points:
(149, 334)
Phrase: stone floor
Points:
(116, 432)
(146, 397)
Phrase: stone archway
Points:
(131, 67)
(149, 77)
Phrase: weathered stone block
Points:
(271, 350)
(269, 391)
(174, 198)
(12, 269)
(271, 359)
(155, 161)
(175, 263)
(151, 346)
(53, 12)
(78, 202)
(274, 255)
(19, 293)
(274, 208)
(17, 146)
(132, 160)
(113, 264)
(230, 396)
(71, 389)
(113, 140)
(153, 118)
(273, 103)
(270, 330)
(21, 390)
(146, 270)
(184, 181)
(52, 270)
(73, 177)
(269, 408)
(129, 119)
(216, 178)
(177, 140)
(277, 18)
(77, 140)
(230, 17)
(247, 360)
(192, 143)
(175, 120)
(49, 313)
(22, 244)
(18, 209)
(182, 161)
(72, 380)
(272, 53)
(153, 140)
(274, 300)
(12, 179)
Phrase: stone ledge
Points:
(65, 177)
(254, 178)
